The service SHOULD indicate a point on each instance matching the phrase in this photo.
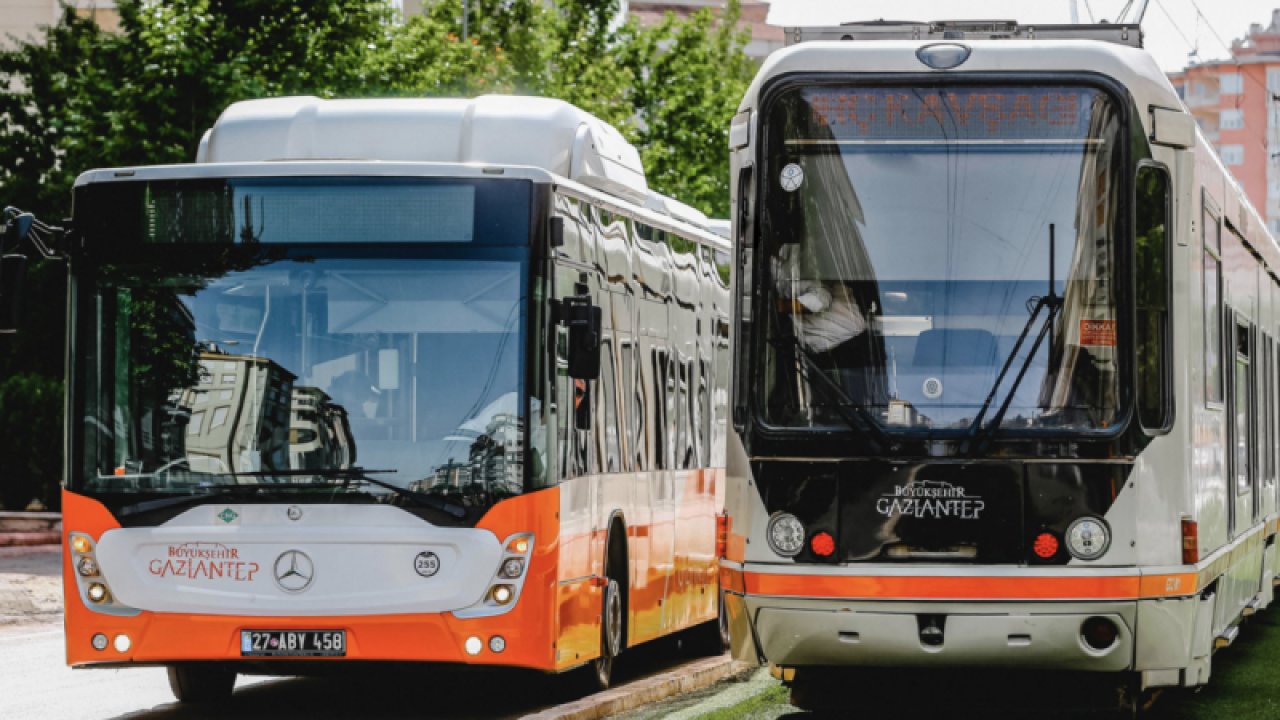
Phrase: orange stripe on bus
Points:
(970, 587)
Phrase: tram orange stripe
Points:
(971, 587)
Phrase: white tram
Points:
(1006, 361)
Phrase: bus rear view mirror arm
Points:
(20, 227)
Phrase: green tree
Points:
(82, 98)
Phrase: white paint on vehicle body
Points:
(362, 562)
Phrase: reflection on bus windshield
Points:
(409, 367)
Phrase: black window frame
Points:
(748, 355)
(1162, 423)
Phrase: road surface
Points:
(36, 684)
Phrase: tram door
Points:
(1242, 431)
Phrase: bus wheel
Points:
(610, 635)
(199, 684)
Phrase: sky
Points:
(1173, 28)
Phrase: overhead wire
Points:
(1271, 96)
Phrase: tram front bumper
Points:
(805, 632)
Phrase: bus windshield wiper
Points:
(198, 494)
(365, 475)
(978, 436)
(855, 414)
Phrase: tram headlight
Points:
(1088, 538)
(785, 534)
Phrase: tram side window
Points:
(1243, 402)
(1152, 242)
(1212, 309)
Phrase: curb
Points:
(30, 521)
(30, 538)
(684, 679)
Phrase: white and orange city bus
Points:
(398, 380)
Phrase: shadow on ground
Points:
(1245, 686)
(400, 691)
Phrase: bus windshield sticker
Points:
(792, 177)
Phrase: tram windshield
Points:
(944, 256)
(344, 343)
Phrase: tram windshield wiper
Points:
(366, 476)
(855, 414)
(978, 436)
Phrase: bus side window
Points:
(607, 421)
(661, 438)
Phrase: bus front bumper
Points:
(164, 638)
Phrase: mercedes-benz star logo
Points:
(294, 571)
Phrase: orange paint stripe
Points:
(971, 587)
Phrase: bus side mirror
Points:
(13, 268)
(583, 320)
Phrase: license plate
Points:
(293, 643)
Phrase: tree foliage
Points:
(80, 98)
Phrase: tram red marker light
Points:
(823, 544)
(1045, 546)
(1190, 542)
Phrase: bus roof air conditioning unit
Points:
(497, 130)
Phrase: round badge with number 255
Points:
(427, 564)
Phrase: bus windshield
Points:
(918, 241)
(307, 362)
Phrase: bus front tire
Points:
(201, 684)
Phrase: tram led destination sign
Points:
(950, 114)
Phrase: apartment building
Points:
(1237, 105)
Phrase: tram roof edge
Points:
(1133, 68)
(962, 30)
(498, 130)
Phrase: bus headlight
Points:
(87, 567)
(785, 534)
(512, 568)
(502, 594)
(1088, 538)
(97, 592)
